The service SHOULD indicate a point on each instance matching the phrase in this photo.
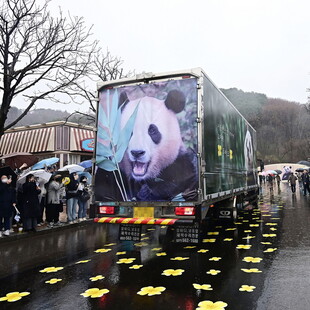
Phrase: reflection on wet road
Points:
(260, 262)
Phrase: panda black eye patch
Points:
(154, 133)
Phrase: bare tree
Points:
(41, 56)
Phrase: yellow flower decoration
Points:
(103, 250)
(135, 266)
(96, 278)
(269, 235)
(179, 258)
(244, 246)
(230, 154)
(149, 229)
(83, 261)
(161, 254)
(145, 238)
(120, 253)
(213, 272)
(156, 249)
(245, 221)
(95, 292)
(206, 287)
(190, 247)
(254, 225)
(252, 270)
(270, 250)
(53, 281)
(255, 218)
(233, 228)
(51, 269)
(151, 291)
(238, 223)
(141, 244)
(202, 251)
(248, 237)
(208, 240)
(266, 243)
(273, 229)
(266, 214)
(250, 259)
(219, 150)
(210, 305)
(173, 272)
(228, 239)
(14, 296)
(247, 288)
(143, 235)
(218, 226)
(110, 244)
(248, 231)
(271, 224)
(125, 261)
(215, 259)
(213, 233)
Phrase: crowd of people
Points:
(34, 204)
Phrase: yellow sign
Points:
(143, 212)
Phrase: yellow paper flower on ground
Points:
(95, 292)
(120, 253)
(161, 254)
(145, 238)
(173, 272)
(14, 296)
(83, 261)
(151, 291)
(238, 223)
(210, 305)
(102, 250)
(51, 269)
(96, 278)
(270, 250)
(247, 288)
(245, 221)
(213, 272)
(213, 233)
(215, 259)
(233, 228)
(179, 258)
(273, 229)
(254, 225)
(271, 224)
(250, 259)
(202, 251)
(141, 244)
(156, 249)
(110, 244)
(252, 270)
(135, 266)
(53, 281)
(248, 231)
(228, 239)
(266, 243)
(125, 261)
(244, 246)
(206, 287)
(190, 247)
(208, 240)
(269, 235)
(248, 237)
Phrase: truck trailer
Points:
(171, 149)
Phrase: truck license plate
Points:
(143, 212)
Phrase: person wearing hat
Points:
(7, 203)
(54, 204)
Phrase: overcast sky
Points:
(254, 45)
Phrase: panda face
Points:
(248, 151)
(155, 141)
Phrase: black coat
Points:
(7, 198)
(71, 190)
(31, 200)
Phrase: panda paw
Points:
(144, 193)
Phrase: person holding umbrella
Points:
(7, 202)
(72, 197)
(305, 181)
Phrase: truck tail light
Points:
(184, 210)
(106, 210)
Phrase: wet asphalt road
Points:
(281, 279)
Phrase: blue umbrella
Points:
(86, 164)
(86, 174)
(45, 163)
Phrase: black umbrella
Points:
(9, 172)
(304, 162)
(278, 171)
(301, 169)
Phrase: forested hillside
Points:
(283, 127)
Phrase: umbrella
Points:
(302, 169)
(72, 168)
(42, 175)
(278, 171)
(8, 171)
(15, 160)
(271, 172)
(86, 164)
(304, 162)
(45, 163)
(87, 175)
